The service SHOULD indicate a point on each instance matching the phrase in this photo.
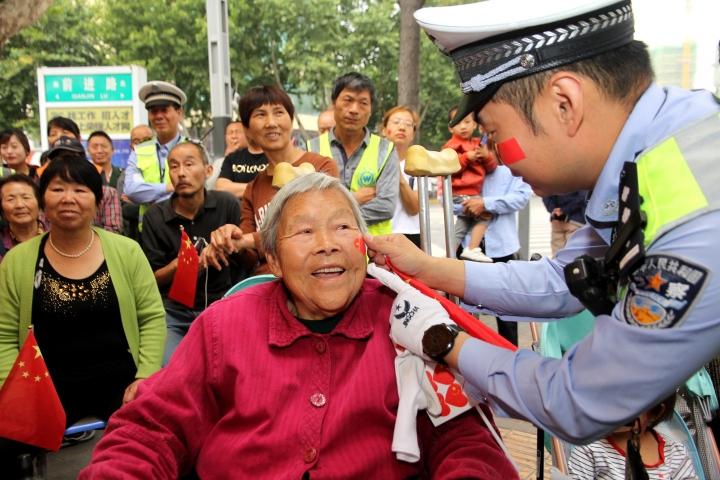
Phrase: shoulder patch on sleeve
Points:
(662, 290)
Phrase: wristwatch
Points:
(439, 339)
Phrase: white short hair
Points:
(306, 183)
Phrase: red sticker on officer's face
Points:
(510, 151)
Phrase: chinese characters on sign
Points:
(113, 120)
(109, 87)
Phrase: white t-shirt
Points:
(401, 221)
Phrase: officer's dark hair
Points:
(100, 133)
(64, 123)
(662, 411)
(621, 74)
(72, 167)
(451, 113)
(230, 123)
(6, 135)
(263, 95)
(353, 81)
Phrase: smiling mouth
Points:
(328, 272)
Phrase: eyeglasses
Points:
(396, 122)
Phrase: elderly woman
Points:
(267, 116)
(20, 208)
(90, 295)
(293, 378)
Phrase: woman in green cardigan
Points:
(90, 295)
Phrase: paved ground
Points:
(519, 436)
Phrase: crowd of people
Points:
(295, 377)
(84, 240)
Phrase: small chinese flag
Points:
(184, 284)
(30, 410)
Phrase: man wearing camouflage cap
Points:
(568, 100)
(147, 180)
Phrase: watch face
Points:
(438, 341)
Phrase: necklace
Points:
(73, 255)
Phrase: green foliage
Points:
(66, 35)
(166, 37)
(302, 45)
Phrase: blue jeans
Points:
(178, 323)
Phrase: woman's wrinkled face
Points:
(317, 255)
(69, 205)
(19, 204)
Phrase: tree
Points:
(409, 53)
(64, 36)
(302, 46)
(18, 14)
(166, 37)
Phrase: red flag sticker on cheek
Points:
(510, 151)
(360, 245)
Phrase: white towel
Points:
(415, 393)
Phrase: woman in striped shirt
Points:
(663, 458)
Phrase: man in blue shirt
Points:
(146, 177)
(568, 98)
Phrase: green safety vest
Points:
(669, 184)
(6, 171)
(679, 178)
(366, 173)
(149, 165)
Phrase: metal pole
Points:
(425, 241)
(524, 232)
(450, 246)
(449, 220)
(219, 66)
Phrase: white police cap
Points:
(158, 93)
(495, 41)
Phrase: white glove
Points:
(415, 393)
(412, 312)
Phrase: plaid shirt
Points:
(109, 213)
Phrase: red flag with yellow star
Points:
(30, 410)
(184, 283)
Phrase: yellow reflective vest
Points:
(149, 165)
(366, 173)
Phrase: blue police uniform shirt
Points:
(136, 188)
(620, 369)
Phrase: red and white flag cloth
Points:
(30, 409)
(184, 283)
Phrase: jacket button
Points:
(320, 347)
(310, 455)
(318, 400)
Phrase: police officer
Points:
(367, 163)
(147, 181)
(569, 101)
